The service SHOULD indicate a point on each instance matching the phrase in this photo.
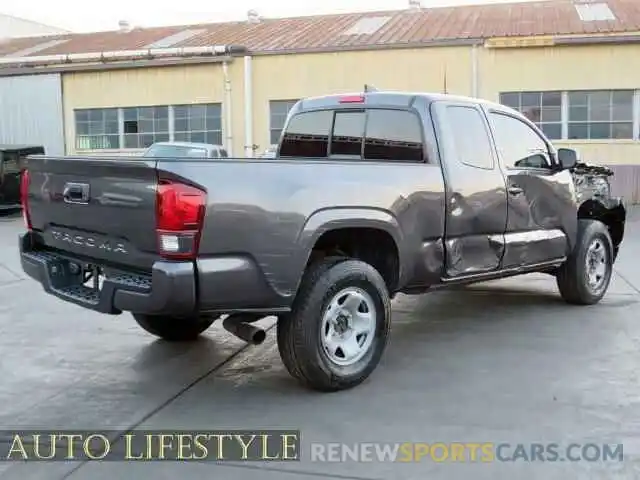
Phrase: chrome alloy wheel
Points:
(597, 265)
(348, 326)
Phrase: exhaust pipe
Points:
(243, 330)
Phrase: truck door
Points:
(476, 208)
(541, 206)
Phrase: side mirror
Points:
(567, 157)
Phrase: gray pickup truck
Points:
(369, 195)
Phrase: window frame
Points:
(190, 131)
(120, 113)
(610, 122)
(140, 118)
(534, 128)
(565, 107)
(89, 136)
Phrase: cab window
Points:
(518, 145)
(470, 137)
(307, 135)
(372, 134)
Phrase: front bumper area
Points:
(170, 289)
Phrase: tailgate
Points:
(103, 209)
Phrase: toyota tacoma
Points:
(369, 194)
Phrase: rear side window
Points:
(307, 135)
(470, 137)
(375, 134)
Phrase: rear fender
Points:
(326, 220)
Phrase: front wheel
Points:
(585, 276)
(338, 328)
(174, 329)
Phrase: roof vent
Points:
(124, 26)
(253, 16)
(415, 4)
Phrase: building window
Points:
(139, 127)
(579, 115)
(143, 126)
(278, 111)
(198, 123)
(600, 114)
(542, 108)
(97, 129)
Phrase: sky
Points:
(87, 16)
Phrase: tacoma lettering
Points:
(88, 241)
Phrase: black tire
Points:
(174, 329)
(299, 332)
(573, 276)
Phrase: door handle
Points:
(515, 190)
(76, 193)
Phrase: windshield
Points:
(169, 151)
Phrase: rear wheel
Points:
(338, 328)
(585, 276)
(174, 329)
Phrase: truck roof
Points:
(390, 98)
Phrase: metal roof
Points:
(364, 29)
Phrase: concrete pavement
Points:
(503, 361)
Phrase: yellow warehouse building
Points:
(571, 66)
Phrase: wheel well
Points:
(613, 218)
(371, 245)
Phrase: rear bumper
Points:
(173, 292)
(211, 285)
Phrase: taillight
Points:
(179, 216)
(25, 178)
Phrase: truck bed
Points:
(258, 212)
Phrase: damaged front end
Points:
(593, 190)
(592, 182)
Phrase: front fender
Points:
(612, 212)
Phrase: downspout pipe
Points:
(122, 55)
(228, 127)
(475, 80)
(248, 107)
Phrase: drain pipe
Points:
(248, 108)
(474, 72)
(227, 109)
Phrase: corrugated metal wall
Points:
(31, 112)
(626, 183)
